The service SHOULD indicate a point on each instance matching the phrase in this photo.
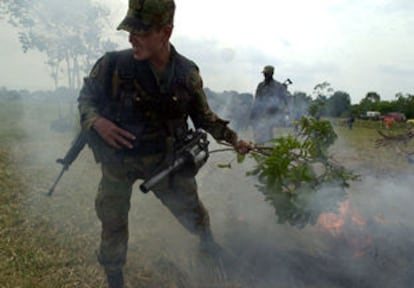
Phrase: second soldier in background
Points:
(269, 106)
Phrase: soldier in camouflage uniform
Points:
(131, 103)
(268, 107)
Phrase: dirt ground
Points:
(51, 241)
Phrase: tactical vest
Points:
(135, 103)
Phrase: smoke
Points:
(280, 256)
(261, 253)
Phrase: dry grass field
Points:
(50, 242)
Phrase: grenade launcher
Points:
(190, 155)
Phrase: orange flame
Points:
(349, 225)
(332, 222)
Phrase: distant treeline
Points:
(236, 106)
(403, 103)
(60, 94)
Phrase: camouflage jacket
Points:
(132, 95)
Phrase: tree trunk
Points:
(69, 70)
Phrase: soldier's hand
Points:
(242, 147)
(112, 134)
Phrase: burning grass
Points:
(50, 242)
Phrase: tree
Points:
(405, 104)
(69, 33)
(339, 104)
(385, 107)
(356, 110)
(373, 97)
(371, 102)
(321, 92)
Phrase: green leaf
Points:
(240, 158)
(228, 165)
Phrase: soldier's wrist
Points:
(95, 122)
(88, 122)
(234, 140)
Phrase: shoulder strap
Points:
(121, 68)
(183, 68)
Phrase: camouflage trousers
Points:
(263, 127)
(178, 193)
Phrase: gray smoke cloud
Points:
(261, 253)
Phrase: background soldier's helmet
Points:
(144, 15)
(268, 69)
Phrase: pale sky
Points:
(356, 45)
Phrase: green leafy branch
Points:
(297, 176)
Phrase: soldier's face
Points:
(267, 75)
(149, 44)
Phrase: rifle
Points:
(192, 152)
(73, 152)
(287, 83)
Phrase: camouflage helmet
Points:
(144, 15)
(268, 69)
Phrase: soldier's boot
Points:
(208, 245)
(115, 278)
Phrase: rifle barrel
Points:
(52, 189)
(71, 155)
